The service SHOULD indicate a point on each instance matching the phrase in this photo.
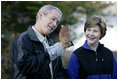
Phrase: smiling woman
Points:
(93, 60)
(93, 35)
(95, 29)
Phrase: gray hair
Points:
(47, 9)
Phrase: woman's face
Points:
(93, 35)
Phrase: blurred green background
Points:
(17, 16)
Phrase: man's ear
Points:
(40, 15)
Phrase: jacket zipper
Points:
(98, 66)
(96, 56)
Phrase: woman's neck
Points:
(94, 46)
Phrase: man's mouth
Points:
(51, 27)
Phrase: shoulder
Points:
(79, 50)
(73, 60)
(23, 40)
(23, 37)
(106, 50)
(108, 54)
(20, 37)
(27, 36)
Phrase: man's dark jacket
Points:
(30, 60)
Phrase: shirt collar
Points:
(40, 37)
(86, 46)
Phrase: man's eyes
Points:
(54, 19)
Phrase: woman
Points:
(93, 60)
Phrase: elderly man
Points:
(33, 54)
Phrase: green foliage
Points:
(16, 16)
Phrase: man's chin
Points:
(48, 33)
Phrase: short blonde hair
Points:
(96, 20)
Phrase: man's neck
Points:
(36, 26)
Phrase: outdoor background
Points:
(17, 16)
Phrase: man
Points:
(33, 54)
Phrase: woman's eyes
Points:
(91, 30)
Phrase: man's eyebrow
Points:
(55, 18)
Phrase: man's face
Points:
(49, 22)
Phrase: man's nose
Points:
(54, 23)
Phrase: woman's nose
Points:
(91, 33)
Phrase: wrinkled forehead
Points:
(55, 14)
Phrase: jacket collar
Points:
(40, 37)
(32, 34)
(86, 46)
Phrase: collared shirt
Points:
(41, 38)
(45, 43)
